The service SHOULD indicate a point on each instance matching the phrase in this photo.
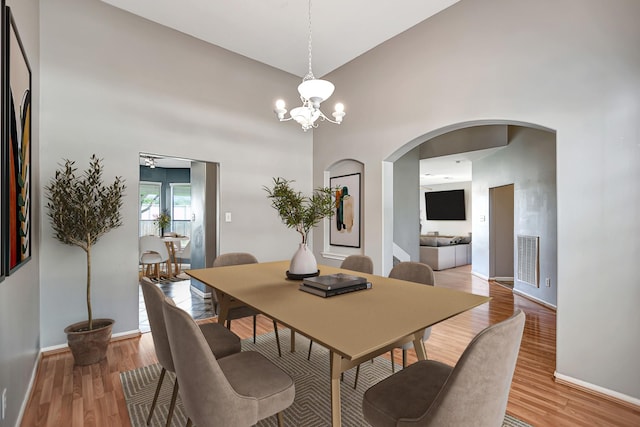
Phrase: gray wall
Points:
(118, 85)
(571, 66)
(406, 208)
(20, 292)
(528, 162)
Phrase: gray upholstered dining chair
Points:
(221, 341)
(412, 272)
(473, 393)
(240, 258)
(360, 264)
(237, 390)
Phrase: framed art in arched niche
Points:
(346, 221)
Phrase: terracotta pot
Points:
(89, 347)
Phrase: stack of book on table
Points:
(334, 284)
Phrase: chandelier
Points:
(312, 92)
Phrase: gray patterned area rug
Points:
(311, 407)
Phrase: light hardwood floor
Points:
(64, 395)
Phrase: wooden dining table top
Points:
(353, 325)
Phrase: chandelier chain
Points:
(309, 75)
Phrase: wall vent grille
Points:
(528, 259)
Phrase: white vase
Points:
(303, 261)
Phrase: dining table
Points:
(355, 326)
(174, 244)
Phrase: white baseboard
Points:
(482, 276)
(534, 299)
(588, 387)
(500, 278)
(199, 293)
(120, 335)
(54, 348)
(32, 382)
(127, 334)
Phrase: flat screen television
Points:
(445, 205)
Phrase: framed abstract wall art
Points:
(16, 145)
(3, 198)
(345, 223)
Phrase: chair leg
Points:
(355, 383)
(310, 345)
(172, 405)
(404, 358)
(229, 324)
(393, 365)
(155, 396)
(254, 329)
(189, 422)
(280, 420)
(275, 328)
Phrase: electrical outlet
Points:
(4, 403)
(548, 282)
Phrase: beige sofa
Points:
(442, 252)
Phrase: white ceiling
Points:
(450, 169)
(275, 32)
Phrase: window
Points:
(181, 208)
(149, 205)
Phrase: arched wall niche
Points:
(334, 255)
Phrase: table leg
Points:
(223, 304)
(176, 266)
(293, 341)
(418, 345)
(336, 416)
(169, 272)
(172, 258)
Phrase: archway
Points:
(523, 155)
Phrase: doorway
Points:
(501, 238)
(185, 191)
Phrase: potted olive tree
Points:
(82, 209)
(301, 213)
